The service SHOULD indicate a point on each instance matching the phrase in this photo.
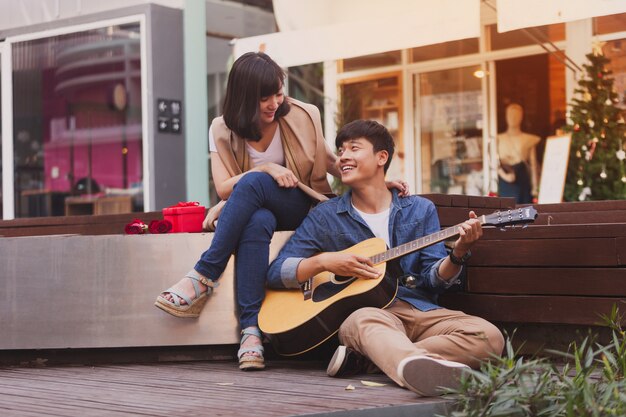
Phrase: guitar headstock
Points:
(522, 215)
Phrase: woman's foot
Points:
(184, 287)
(187, 297)
(251, 350)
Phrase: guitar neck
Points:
(418, 244)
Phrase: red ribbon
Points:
(187, 204)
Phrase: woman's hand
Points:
(283, 176)
(506, 172)
(212, 215)
(400, 185)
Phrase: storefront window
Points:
(616, 51)
(376, 98)
(77, 123)
(524, 37)
(444, 50)
(371, 61)
(450, 107)
(609, 24)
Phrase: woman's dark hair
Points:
(254, 75)
(373, 132)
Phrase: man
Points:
(415, 342)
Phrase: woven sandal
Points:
(251, 362)
(193, 307)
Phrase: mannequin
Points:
(518, 171)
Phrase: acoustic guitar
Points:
(297, 321)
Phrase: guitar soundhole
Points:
(329, 289)
(343, 279)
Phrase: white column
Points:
(331, 102)
(8, 192)
(196, 102)
(578, 38)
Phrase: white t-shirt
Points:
(274, 153)
(378, 223)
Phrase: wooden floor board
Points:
(288, 388)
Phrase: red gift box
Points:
(185, 217)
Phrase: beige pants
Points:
(388, 336)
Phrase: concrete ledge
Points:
(67, 291)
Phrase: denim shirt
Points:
(334, 225)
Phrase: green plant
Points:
(590, 384)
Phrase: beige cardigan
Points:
(303, 143)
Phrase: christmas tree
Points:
(596, 162)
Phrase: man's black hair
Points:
(373, 132)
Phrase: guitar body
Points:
(297, 321)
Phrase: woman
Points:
(267, 156)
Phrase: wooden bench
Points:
(551, 278)
(564, 270)
(108, 224)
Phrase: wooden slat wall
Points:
(533, 309)
(568, 267)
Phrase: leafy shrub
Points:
(590, 384)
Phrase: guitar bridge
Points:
(306, 288)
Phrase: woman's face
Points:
(268, 106)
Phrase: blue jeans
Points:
(255, 209)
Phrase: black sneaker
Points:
(346, 362)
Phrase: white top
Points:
(274, 153)
(378, 223)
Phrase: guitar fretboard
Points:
(418, 244)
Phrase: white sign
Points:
(554, 169)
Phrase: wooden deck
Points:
(286, 388)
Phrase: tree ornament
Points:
(620, 154)
(587, 96)
(580, 182)
(624, 179)
(591, 123)
(608, 102)
(586, 192)
(577, 127)
(596, 47)
(603, 174)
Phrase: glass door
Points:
(77, 122)
(379, 98)
(449, 105)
